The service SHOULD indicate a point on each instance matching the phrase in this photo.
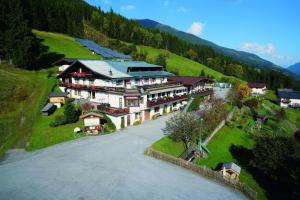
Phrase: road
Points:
(109, 167)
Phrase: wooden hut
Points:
(231, 170)
(92, 123)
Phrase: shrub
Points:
(70, 112)
(122, 122)
(251, 103)
(137, 122)
(164, 110)
(59, 120)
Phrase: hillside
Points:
(22, 94)
(249, 58)
(60, 43)
(184, 66)
(295, 69)
(64, 44)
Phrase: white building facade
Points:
(128, 92)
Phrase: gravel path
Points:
(109, 167)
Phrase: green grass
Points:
(22, 95)
(219, 153)
(64, 44)
(184, 66)
(293, 115)
(168, 146)
(43, 135)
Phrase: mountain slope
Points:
(295, 68)
(249, 58)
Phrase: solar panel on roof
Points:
(105, 52)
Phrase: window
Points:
(153, 96)
(79, 92)
(91, 81)
(136, 81)
(76, 80)
(156, 109)
(159, 95)
(75, 92)
(146, 81)
(119, 82)
(131, 102)
(120, 102)
(142, 100)
(93, 95)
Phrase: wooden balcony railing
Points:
(165, 100)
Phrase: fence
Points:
(204, 171)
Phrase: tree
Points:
(276, 161)
(161, 60)
(70, 112)
(202, 74)
(184, 127)
(18, 42)
(243, 91)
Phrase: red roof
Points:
(188, 80)
(91, 114)
(257, 85)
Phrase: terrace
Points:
(111, 110)
(205, 92)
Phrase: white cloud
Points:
(269, 51)
(127, 7)
(196, 28)
(106, 1)
(182, 9)
(166, 3)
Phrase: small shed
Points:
(92, 123)
(58, 99)
(48, 109)
(231, 170)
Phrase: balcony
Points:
(166, 100)
(81, 74)
(92, 87)
(112, 111)
(203, 93)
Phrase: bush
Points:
(137, 122)
(70, 112)
(251, 103)
(59, 120)
(122, 122)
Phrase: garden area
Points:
(258, 137)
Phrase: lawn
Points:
(219, 148)
(293, 115)
(43, 135)
(184, 66)
(168, 146)
(64, 44)
(22, 95)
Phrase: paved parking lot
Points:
(105, 167)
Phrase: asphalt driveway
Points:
(105, 167)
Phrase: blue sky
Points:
(268, 28)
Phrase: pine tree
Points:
(70, 112)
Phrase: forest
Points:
(68, 16)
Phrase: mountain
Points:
(295, 68)
(245, 57)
